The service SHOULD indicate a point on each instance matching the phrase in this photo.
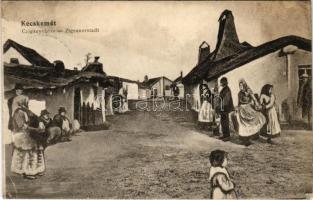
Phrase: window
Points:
(304, 69)
(167, 87)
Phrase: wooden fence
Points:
(90, 116)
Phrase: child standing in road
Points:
(221, 185)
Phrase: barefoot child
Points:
(221, 185)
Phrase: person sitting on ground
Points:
(52, 133)
(62, 121)
(222, 186)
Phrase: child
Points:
(221, 185)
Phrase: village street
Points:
(163, 155)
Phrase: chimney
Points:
(227, 39)
(181, 74)
(146, 78)
(96, 59)
(75, 69)
(204, 51)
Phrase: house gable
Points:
(14, 54)
(29, 54)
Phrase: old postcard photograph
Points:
(156, 100)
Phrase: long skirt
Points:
(27, 157)
(273, 122)
(249, 121)
(206, 112)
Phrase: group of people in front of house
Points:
(32, 134)
(255, 114)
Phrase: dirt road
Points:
(162, 155)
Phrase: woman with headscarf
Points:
(206, 112)
(28, 158)
(267, 100)
(249, 120)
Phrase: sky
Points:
(147, 38)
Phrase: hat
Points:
(18, 86)
(62, 109)
(44, 112)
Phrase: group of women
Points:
(254, 115)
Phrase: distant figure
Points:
(226, 106)
(206, 113)
(62, 121)
(249, 120)
(52, 133)
(222, 186)
(267, 100)
(175, 91)
(305, 97)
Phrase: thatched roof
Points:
(230, 54)
(42, 74)
(31, 77)
(29, 54)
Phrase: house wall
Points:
(60, 99)
(12, 53)
(299, 57)
(144, 93)
(167, 87)
(90, 94)
(271, 69)
(181, 91)
(133, 90)
(158, 86)
(193, 96)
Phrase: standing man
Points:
(305, 97)
(226, 106)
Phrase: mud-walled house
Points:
(282, 62)
(50, 85)
(159, 87)
(121, 91)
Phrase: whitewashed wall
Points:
(133, 90)
(12, 53)
(271, 69)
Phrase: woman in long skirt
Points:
(249, 120)
(267, 99)
(206, 112)
(28, 158)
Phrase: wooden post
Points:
(93, 115)
(84, 115)
(88, 114)
(103, 105)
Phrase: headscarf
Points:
(246, 88)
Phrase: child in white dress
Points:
(222, 186)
